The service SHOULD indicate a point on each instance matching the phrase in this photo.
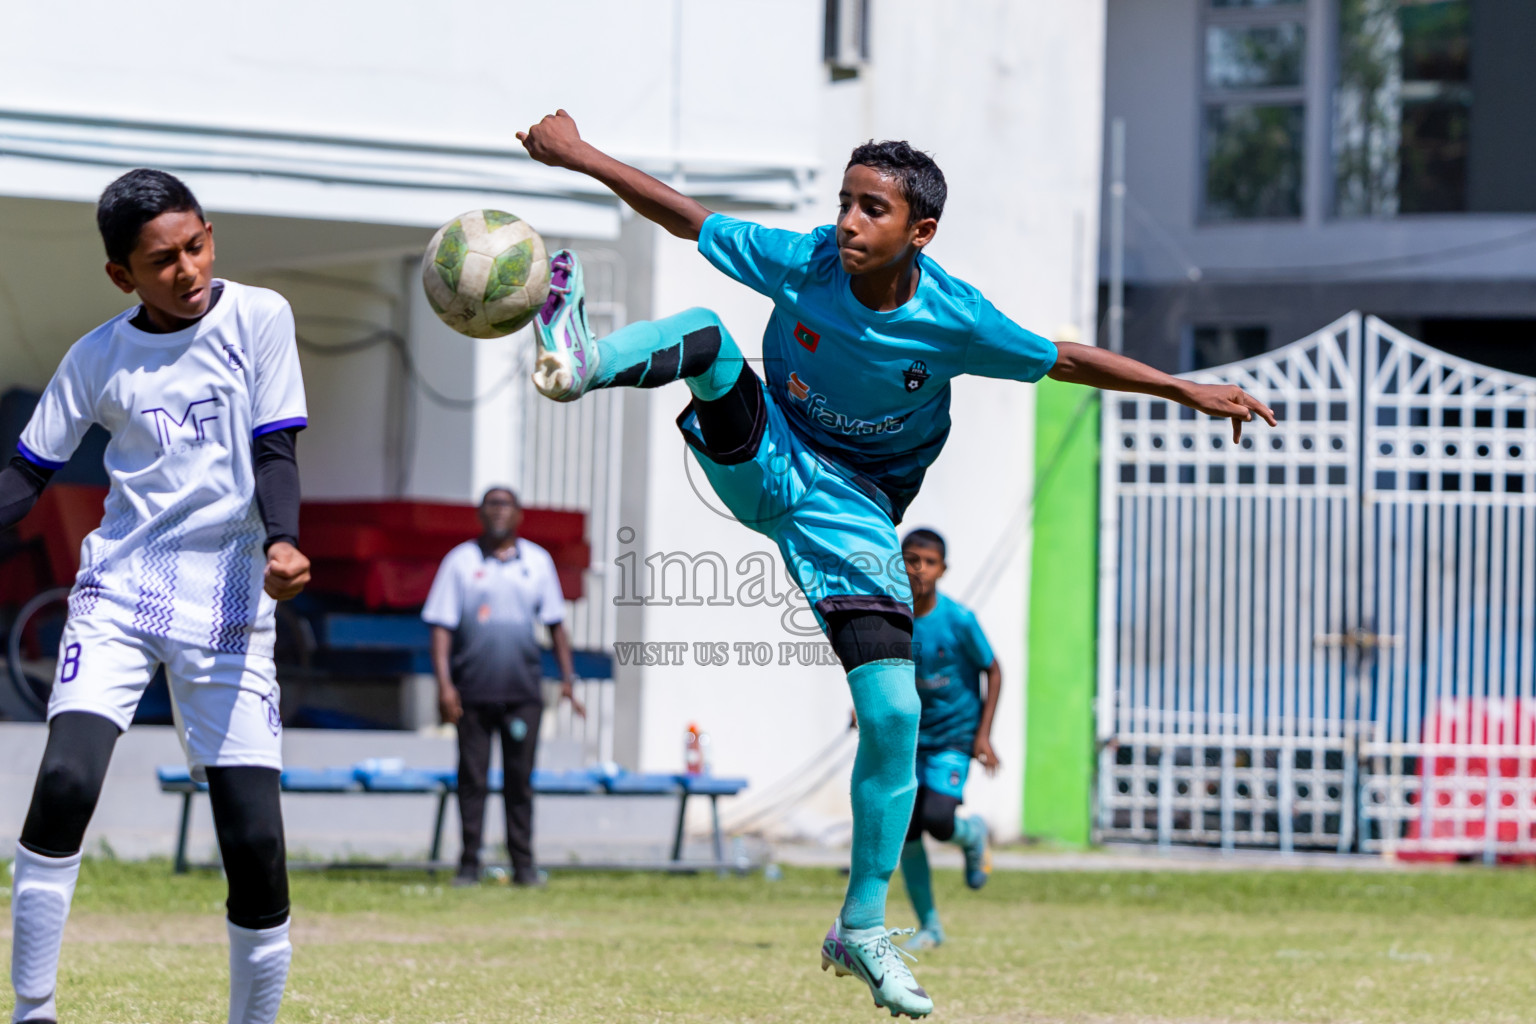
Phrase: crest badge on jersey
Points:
(807, 338)
(916, 375)
(274, 716)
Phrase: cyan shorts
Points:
(832, 527)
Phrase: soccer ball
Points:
(486, 273)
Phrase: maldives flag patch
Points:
(807, 338)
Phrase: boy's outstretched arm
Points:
(556, 142)
(1100, 368)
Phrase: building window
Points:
(1220, 344)
(1402, 107)
(1254, 109)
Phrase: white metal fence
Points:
(1297, 631)
(572, 455)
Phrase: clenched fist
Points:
(554, 141)
(287, 571)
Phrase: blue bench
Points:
(393, 779)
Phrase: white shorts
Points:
(225, 705)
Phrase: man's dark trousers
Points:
(476, 728)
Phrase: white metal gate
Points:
(571, 457)
(1449, 570)
(1297, 630)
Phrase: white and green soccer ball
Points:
(486, 273)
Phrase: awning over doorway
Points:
(368, 180)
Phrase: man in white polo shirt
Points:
(488, 595)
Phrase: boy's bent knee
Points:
(888, 708)
(69, 782)
(897, 713)
(67, 787)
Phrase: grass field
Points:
(144, 946)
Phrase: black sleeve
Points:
(20, 484)
(277, 485)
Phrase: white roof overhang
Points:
(369, 180)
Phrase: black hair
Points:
(922, 537)
(134, 200)
(498, 489)
(922, 183)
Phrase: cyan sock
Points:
(693, 346)
(919, 882)
(884, 784)
(967, 832)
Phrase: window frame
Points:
(1298, 95)
(1332, 212)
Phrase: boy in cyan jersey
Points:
(952, 654)
(824, 455)
(199, 386)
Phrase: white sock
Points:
(40, 895)
(258, 971)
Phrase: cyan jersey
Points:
(951, 653)
(868, 388)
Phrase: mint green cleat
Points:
(869, 955)
(927, 937)
(567, 359)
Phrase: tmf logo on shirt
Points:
(189, 428)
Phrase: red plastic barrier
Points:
(383, 553)
(386, 553)
(24, 574)
(60, 521)
(1477, 751)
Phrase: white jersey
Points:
(491, 605)
(178, 554)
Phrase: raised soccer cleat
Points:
(978, 857)
(567, 357)
(926, 938)
(869, 955)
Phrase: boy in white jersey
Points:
(199, 386)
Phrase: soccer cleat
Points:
(869, 955)
(567, 355)
(978, 857)
(926, 938)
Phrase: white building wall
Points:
(1008, 100)
(469, 72)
